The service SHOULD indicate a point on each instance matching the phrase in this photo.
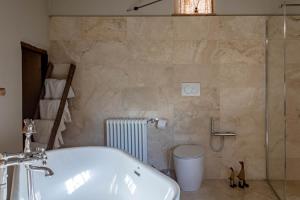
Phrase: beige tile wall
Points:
(133, 67)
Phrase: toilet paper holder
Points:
(152, 121)
(158, 123)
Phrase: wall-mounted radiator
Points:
(129, 135)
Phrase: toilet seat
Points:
(188, 152)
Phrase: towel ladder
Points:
(62, 104)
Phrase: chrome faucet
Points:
(46, 170)
(28, 130)
(28, 157)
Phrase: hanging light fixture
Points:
(196, 4)
(195, 7)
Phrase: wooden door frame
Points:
(42, 52)
(44, 63)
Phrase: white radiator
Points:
(129, 135)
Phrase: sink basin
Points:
(94, 173)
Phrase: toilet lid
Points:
(188, 151)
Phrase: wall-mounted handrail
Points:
(289, 4)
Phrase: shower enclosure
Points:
(283, 101)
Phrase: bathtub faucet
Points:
(28, 156)
(28, 130)
(9, 160)
(46, 170)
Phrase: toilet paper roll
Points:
(162, 123)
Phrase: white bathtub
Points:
(88, 173)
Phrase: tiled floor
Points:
(219, 190)
(292, 189)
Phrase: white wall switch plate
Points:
(190, 89)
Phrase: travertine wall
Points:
(133, 67)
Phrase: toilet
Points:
(189, 166)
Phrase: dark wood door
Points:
(34, 67)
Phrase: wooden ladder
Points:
(62, 104)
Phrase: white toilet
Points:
(189, 164)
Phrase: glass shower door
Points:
(292, 84)
(275, 104)
(283, 101)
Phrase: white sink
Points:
(95, 173)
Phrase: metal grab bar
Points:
(289, 4)
(223, 134)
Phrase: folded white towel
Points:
(58, 140)
(44, 128)
(54, 89)
(49, 109)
